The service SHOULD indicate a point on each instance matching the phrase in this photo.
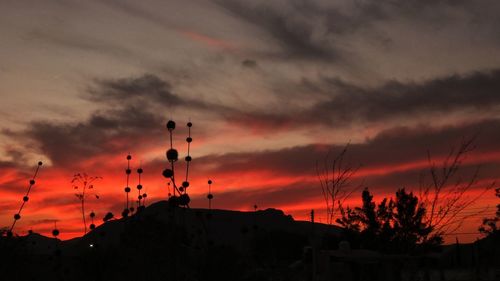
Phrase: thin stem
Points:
(27, 195)
(188, 150)
(128, 177)
(172, 162)
(83, 208)
(139, 200)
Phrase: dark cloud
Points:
(130, 111)
(389, 149)
(294, 34)
(16, 156)
(314, 29)
(478, 91)
(126, 118)
(429, 10)
(345, 104)
(8, 164)
(103, 133)
(139, 90)
(147, 92)
(249, 63)
(355, 34)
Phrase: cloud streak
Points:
(346, 104)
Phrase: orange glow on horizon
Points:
(53, 199)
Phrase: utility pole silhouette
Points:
(313, 248)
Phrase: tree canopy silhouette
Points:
(491, 226)
(394, 225)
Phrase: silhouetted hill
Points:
(162, 240)
(224, 227)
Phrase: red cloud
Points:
(207, 40)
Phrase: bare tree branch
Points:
(335, 182)
(446, 195)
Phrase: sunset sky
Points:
(270, 86)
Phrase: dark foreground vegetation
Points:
(167, 243)
(162, 242)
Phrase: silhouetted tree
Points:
(492, 225)
(394, 225)
(385, 217)
(349, 219)
(410, 227)
(368, 214)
